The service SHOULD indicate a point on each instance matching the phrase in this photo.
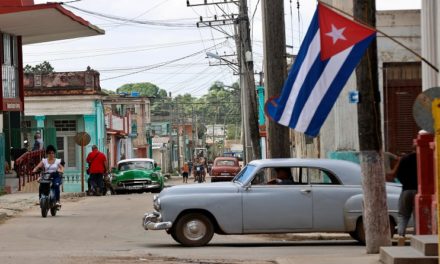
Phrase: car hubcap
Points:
(194, 230)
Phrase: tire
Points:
(193, 230)
(359, 233)
(44, 212)
(53, 211)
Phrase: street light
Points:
(230, 64)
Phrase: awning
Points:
(44, 22)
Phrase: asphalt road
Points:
(108, 230)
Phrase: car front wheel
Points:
(193, 230)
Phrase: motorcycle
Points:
(47, 199)
(199, 173)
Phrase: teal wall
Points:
(352, 156)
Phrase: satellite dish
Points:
(422, 109)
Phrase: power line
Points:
(159, 64)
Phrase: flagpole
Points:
(381, 32)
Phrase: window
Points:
(65, 125)
(66, 147)
(10, 66)
(294, 175)
(318, 176)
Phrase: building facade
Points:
(22, 22)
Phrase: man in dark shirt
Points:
(406, 172)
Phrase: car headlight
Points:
(156, 202)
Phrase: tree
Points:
(375, 216)
(42, 68)
(108, 91)
(144, 89)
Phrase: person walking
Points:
(97, 168)
(38, 142)
(406, 172)
(185, 172)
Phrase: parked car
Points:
(224, 169)
(137, 175)
(325, 196)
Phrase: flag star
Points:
(336, 34)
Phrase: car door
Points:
(329, 198)
(276, 208)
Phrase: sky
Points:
(164, 46)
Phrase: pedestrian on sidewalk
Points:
(97, 168)
(185, 172)
(406, 172)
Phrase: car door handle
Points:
(306, 191)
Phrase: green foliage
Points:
(44, 67)
(108, 91)
(144, 89)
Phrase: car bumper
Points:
(136, 187)
(152, 221)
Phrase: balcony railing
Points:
(24, 166)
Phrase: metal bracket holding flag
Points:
(332, 48)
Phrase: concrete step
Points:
(427, 244)
(405, 255)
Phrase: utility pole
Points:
(275, 71)
(253, 150)
(375, 214)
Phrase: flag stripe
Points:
(335, 88)
(320, 89)
(296, 67)
(310, 58)
(313, 84)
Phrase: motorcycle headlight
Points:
(156, 203)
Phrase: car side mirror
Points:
(114, 170)
(157, 168)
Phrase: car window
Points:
(319, 176)
(270, 176)
(143, 165)
(245, 174)
(225, 163)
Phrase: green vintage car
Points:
(137, 175)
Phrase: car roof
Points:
(348, 172)
(226, 158)
(135, 159)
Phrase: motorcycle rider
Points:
(51, 165)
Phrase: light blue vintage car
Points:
(322, 196)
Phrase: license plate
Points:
(133, 187)
(224, 174)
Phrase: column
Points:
(90, 128)
(40, 121)
(429, 42)
(425, 180)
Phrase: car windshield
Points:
(130, 165)
(245, 174)
(224, 163)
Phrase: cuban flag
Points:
(331, 49)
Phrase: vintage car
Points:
(137, 175)
(224, 169)
(324, 196)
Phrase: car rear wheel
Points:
(359, 233)
(193, 230)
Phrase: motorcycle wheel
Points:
(44, 212)
(53, 211)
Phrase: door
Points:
(402, 85)
(276, 208)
